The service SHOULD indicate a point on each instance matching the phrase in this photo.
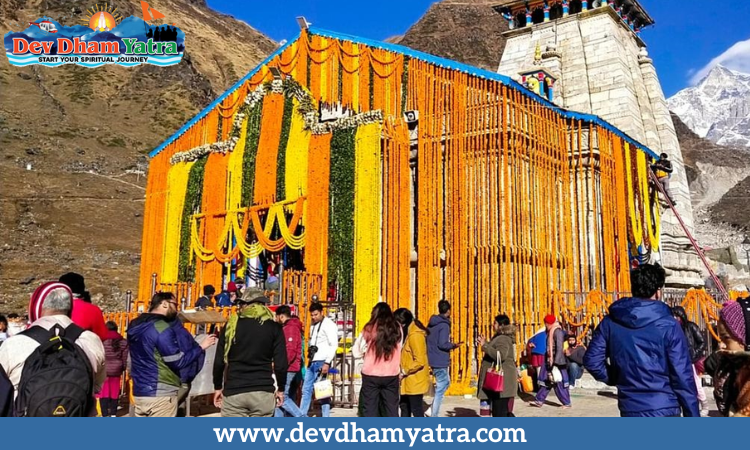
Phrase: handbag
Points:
(556, 375)
(323, 389)
(494, 379)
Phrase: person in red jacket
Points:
(85, 314)
(293, 337)
(116, 359)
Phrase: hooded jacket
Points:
(439, 343)
(649, 360)
(293, 338)
(501, 345)
(695, 339)
(115, 353)
(157, 362)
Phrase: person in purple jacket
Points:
(640, 348)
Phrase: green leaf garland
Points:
(251, 152)
(341, 212)
(193, 200)
(286, 124)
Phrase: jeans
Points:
(380, 393)
(288, 407)
(411, 405)
(442, 383)
(575, 372)
(311, 376)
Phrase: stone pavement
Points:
(586, 403)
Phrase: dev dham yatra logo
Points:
(107, 39)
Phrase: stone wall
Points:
(623, 88)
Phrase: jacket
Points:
(204, 302)
(257, 353)
(414, 364)
(6, 395)
(662, 168)
(156, 360)
(115, 354)
(293, 337)
(371, 364)
(439, 343)
(558, 349)
(15, 351)
(540, 343)
(325, 336)
(501, 344)
(187, 344)
(731, 374)
(649, 360)
(693, 334)
(89, 317)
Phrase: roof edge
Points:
(442, 62)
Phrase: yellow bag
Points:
(527, 383)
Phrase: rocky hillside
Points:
(468, 31)
(717, 108)
(74, 140)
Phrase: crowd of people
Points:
(652, 353)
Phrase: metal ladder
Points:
(697, 248)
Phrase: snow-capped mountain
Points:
(718, 108)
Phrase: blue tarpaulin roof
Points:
(442, 62)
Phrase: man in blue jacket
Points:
(649, 359)
(158, 364)
(439, 346)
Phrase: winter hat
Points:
(550, 319)
(36, 304)
(734, 318)
(231, 287)
(75, 282)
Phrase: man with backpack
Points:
(158, 363)
(55, 366)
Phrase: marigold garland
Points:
(367, 192)
(268, 149)
(286, 123)
(177, 185)
(297, 151)
(317, 209)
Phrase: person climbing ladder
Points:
(663, 171)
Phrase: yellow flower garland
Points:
(177, 188)
(234, 170)
(654, 232)
(367, 201)
(296, 156)
(635, 221)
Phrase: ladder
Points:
(698, 250)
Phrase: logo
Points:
(104, 38)
(59, 411)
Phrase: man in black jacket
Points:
(250, 352)
(663, 171)
(697, 346)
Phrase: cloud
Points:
(737, 57)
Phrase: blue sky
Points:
(689, 34)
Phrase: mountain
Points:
(468, 31)
(717, 108)
(74, 143)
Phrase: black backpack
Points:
(57, 379)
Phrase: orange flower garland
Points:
(268, 149)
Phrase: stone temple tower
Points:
(593, 56)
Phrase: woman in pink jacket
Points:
(380, 344)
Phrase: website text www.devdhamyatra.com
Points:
(350, 432)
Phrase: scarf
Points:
(253, 311)
(551, 342)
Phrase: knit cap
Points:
(36, 304)
(734, 318)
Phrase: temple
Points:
(362, 171)
(590, 55)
